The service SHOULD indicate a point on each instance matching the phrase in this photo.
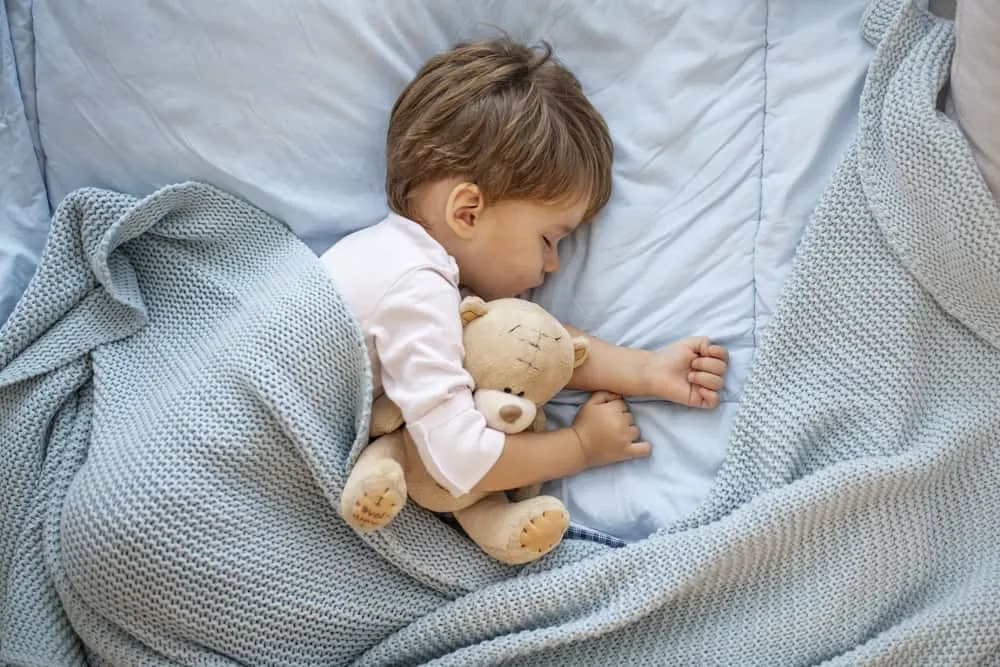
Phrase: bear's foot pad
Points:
(539, 534)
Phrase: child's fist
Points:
(689, 371)
(607, 431)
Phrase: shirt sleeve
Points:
(417, 331)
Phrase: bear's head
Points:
(519, 356)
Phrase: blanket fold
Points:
(181, 388)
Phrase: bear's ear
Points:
(581, 348)
(472, 308)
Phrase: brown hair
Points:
(507, 117)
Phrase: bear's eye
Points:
(520, 393)
(507, 390)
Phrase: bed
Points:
(718, 165)
(729, 121)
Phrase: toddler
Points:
(494, 155)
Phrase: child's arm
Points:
(689, 371)
(532, 458)
(417, 333)
(602, 433)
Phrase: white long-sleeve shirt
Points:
(402, 286)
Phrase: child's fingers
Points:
(704, 347)
(709, 365)
(607, 398)
(639, 449)
(710, 399)
(705, 380)
(717, 351)
(603, 397)
(699, 343)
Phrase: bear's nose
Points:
(510, 413)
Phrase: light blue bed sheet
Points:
(728, 118)
(24, 207)
(719, 168)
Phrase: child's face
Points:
(516, 245)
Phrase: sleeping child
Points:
(494, 155)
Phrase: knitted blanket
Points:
(182, 391)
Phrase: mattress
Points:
(728, 118)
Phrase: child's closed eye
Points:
(548, 242)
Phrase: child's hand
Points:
(607, 431)
(689, 372)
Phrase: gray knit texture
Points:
(182, 389)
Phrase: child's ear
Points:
(465, 203)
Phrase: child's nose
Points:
(551, 263)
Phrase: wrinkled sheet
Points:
(24, 206)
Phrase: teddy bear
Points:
(519, 357)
